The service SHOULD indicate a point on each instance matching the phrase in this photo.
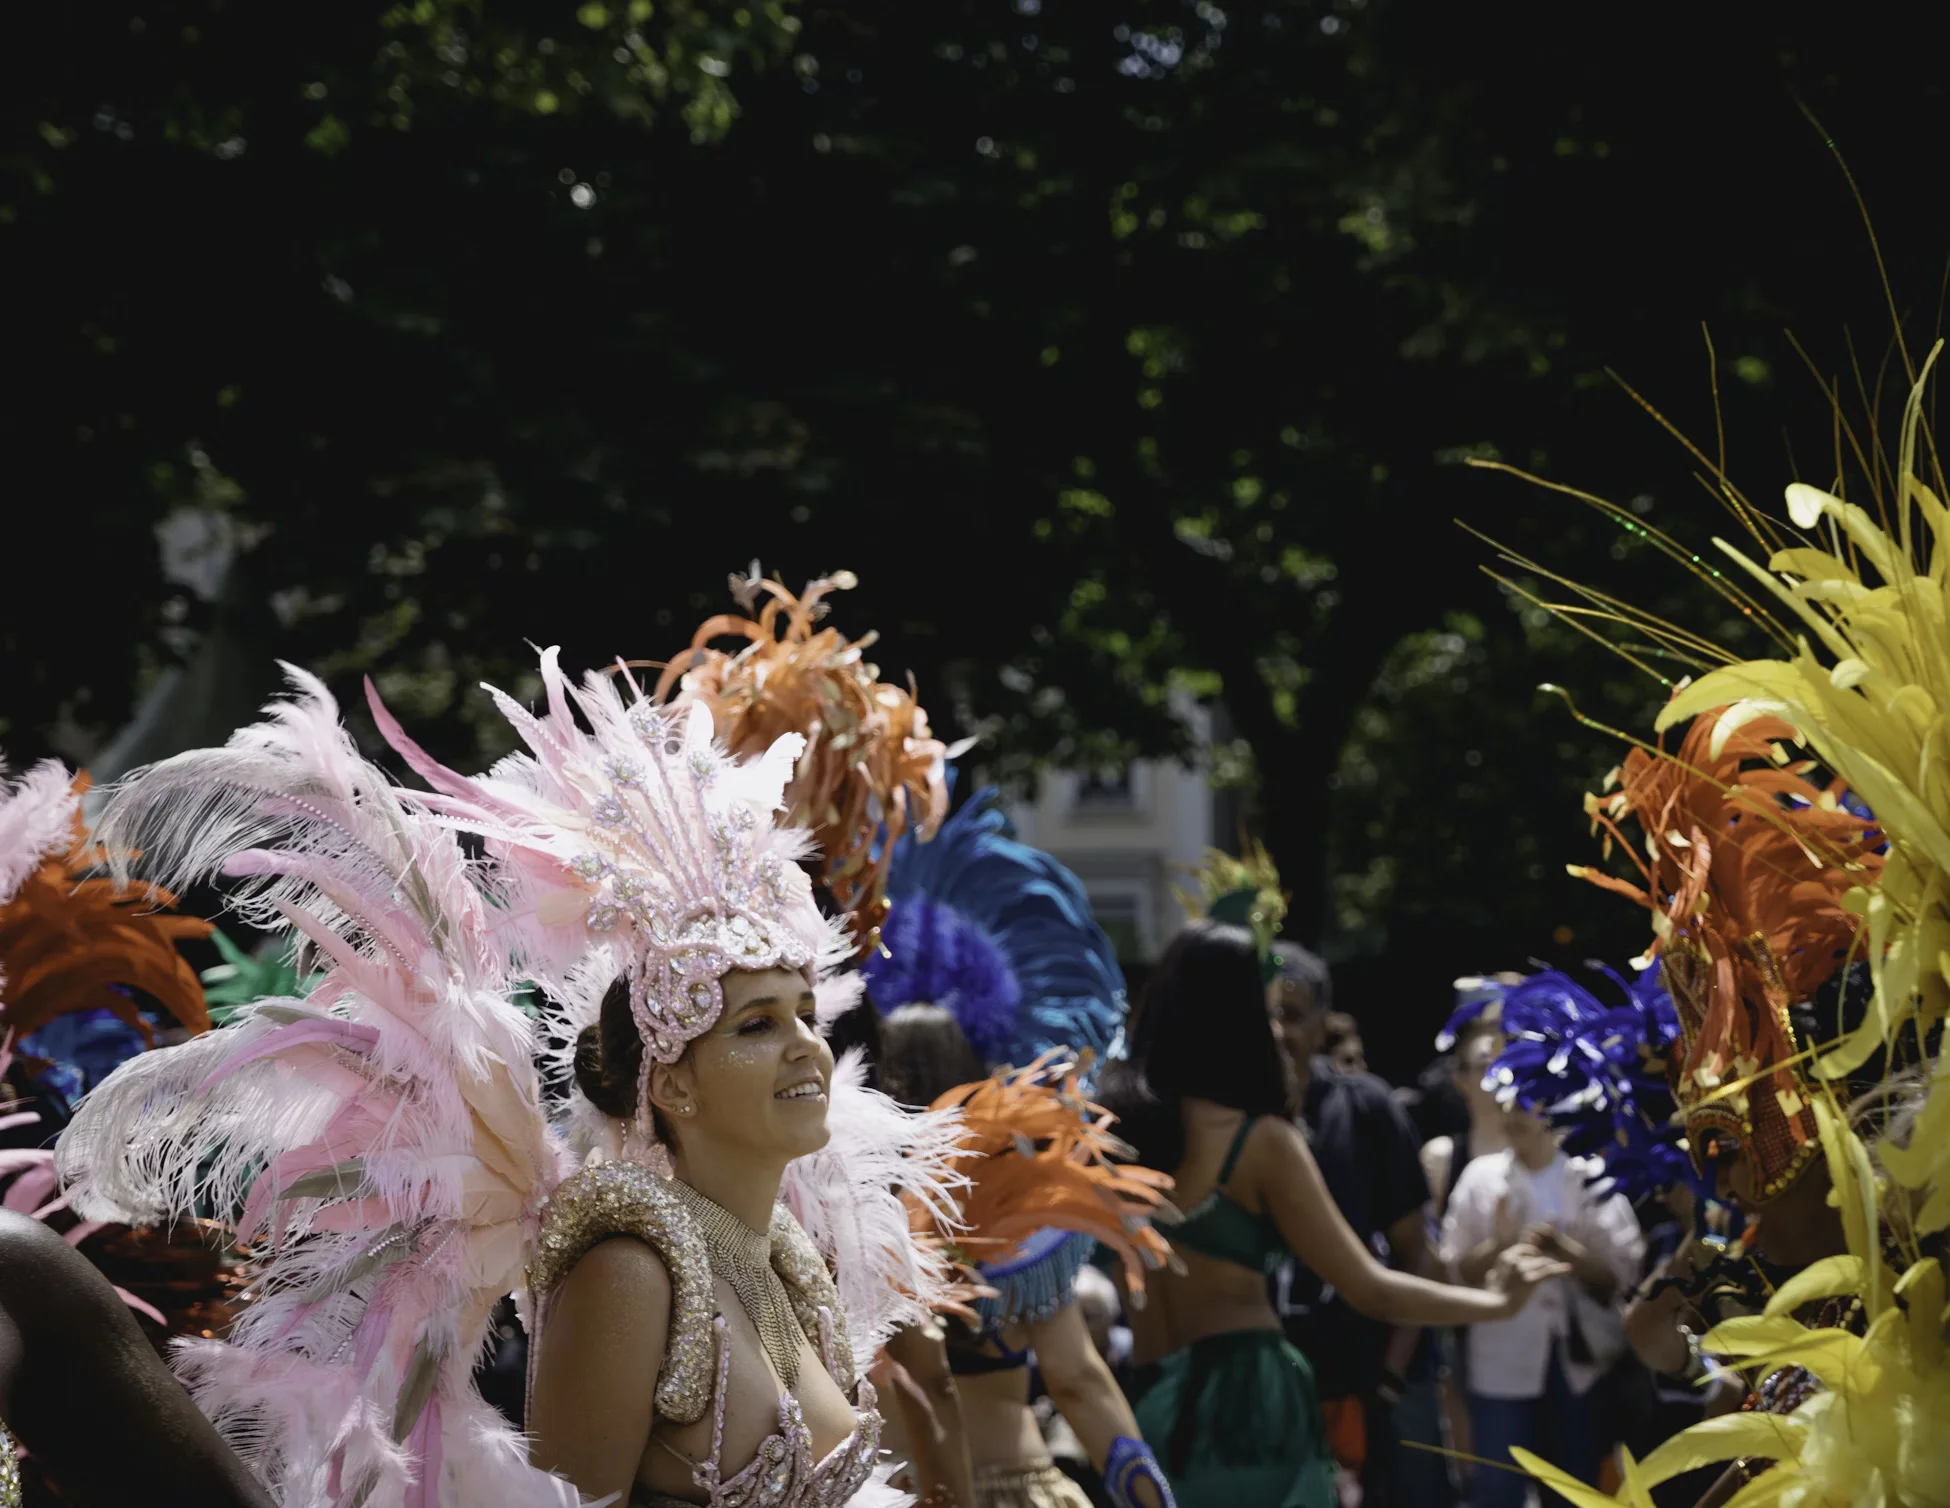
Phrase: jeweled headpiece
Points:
(871, 770)
(639, 831)
(1744, 864)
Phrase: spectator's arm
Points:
(1623, 1245)
(1438, 1153)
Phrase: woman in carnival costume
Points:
(990, 960)
(1226, 1400)
(1847, 1357)
(387, 1132)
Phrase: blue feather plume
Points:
(1000, 934)
(1597, 1073)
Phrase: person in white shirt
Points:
(1531, 1376)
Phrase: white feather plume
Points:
(36, 819)
(847, 1196)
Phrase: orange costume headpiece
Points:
(871, 768)
(69, 936)
(1744, 863)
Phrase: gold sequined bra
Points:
(623, 1198)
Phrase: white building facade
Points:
(1133, 837)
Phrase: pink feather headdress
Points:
(638, 830)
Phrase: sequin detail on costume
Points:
(9, 1471)
(784, 1473)
(815, 1299)
(627, 1199)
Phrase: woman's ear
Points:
(673, 1090)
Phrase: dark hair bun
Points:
(606, 1068)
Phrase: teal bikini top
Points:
(1218, 1226)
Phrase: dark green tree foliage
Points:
(1116, 347)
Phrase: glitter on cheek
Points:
(737, 1076)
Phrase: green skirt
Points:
(1235, 1423)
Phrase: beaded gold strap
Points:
(814, 1297)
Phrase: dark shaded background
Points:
(1116, 347)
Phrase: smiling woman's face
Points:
(757, 1080)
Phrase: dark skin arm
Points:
(87, 1394)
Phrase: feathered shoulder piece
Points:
(1242, 892)
(871, 769)
(1744, 863)
(72, 938)
(1001, 935)
(633, 827)
(1597, 1072)
(1039, 1156)
(379, 1146)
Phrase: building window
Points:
(1118, 915)
(1105, 790)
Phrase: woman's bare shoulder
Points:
(1273, 1149)
(625, 1273)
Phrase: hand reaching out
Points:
(1519, 1270)
(1590, 1269)
(1552, 1242)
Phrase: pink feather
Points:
(345, 1131)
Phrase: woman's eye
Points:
(756, 1025)
(810, 1018)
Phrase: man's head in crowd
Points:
(1341, 1042)
(1300, 1000)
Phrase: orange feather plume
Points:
(68, 936)
(870, 762)
(1037, 1154)
(1744, 863)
